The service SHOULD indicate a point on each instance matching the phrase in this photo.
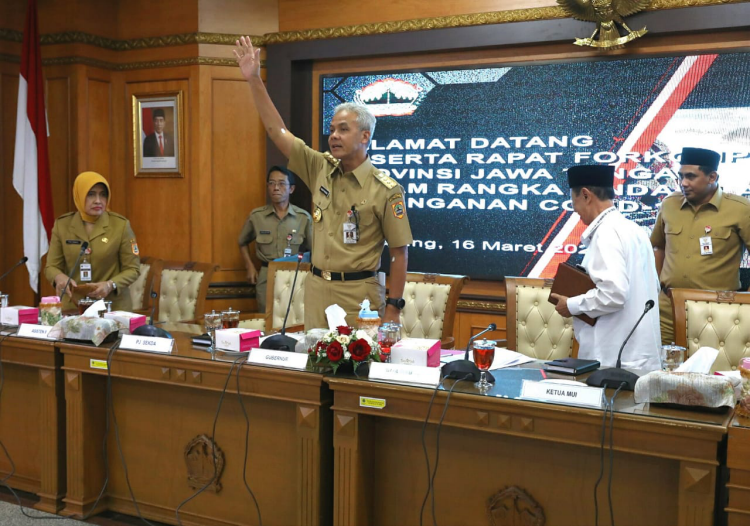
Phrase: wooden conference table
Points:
(165, 407)
(505, 461)
(502, 460)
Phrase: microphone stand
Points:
(14, 267)
(615, 377)
(466, 369)
(282, 342)
(151, 329)
(73, 271)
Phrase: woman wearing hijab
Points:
(112, 251)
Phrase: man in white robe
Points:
(620, 261)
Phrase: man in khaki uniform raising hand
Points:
(356, 209)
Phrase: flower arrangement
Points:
(344, 345)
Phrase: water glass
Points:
(484, 354)
(3, 300)
(388, 335)
(230, 319)
(212, 322)
(672, 356)
(85, 303)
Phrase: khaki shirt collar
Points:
(715, 200)
(271, 210)
(363, 172)
(101, 226)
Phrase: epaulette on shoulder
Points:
(66, 215)
(115, 214)
(737, 198)
(387, 181)
(260, 209)
(331, 159)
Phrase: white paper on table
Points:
(336, 317)
(507, 358)
(93, 311)
(503, 358)
(700, 362)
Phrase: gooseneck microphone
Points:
(466, 369)
(84, 246)
(617, 376)
(151, 329)
(14, 267)
(282, 342)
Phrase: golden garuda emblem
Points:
(606, 14)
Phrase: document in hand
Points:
(571, 281)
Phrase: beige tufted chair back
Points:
(534, 326)
(140, 289)
(257, 323)
(718, 319)
(280, 279)
(183, 287)
(430, 308)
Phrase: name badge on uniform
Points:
(707, 246)
(86, 272)
(351, 227)
(73, 241)
(288, 249)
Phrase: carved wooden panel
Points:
(514, 507)
(201, 467)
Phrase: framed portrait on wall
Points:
(157, 135)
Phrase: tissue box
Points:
(128, 321)
(691, 389)
(19, 315)
(237, 339)
(416, 351)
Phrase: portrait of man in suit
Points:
(160, 143)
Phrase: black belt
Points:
(343, 276)
(264, 263)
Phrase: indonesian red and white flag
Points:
(31, 175)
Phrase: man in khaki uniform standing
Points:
(356, 208)
(700, 234)
(279, 229)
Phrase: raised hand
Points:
(247, 57)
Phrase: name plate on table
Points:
(563, 393)
(404, 374)
(285, 359)
(29, 330)
(131, 342)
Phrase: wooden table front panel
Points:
(32, 419)
(163, 402)
(738, 462)
(546, 456)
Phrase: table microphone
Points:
(282, 342)
(151, 329)
(466, 369)
(84, 246)
(617, 376)
(14, 267)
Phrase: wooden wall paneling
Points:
(470, 324)
(201, 213)
(159, 208)
(298, 15)
(237, 168)
(98, 140)
(240, 17)
(144, 18)
(60, 140)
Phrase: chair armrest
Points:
(447, 342)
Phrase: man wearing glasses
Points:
(279, 229)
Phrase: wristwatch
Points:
(114, 285)
(396, 302)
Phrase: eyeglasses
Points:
(273, 184)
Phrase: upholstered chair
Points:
(280, 279)
(183, 287)
(718, 319)
(430, 308)
(140, 289)
(534, 327)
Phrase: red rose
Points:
(334, 351)
(317, 348)
(344, 330)
(360, 350)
